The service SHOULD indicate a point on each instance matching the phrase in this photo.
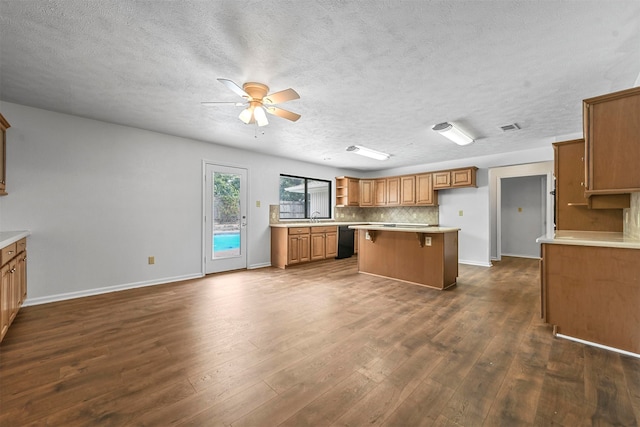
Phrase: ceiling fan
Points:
(257, 102)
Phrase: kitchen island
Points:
(426, 256)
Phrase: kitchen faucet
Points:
(314, 216)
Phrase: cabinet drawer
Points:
(299, 230)
(7, 253)
(21, 245)
(324, 229)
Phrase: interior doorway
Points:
(225, 218)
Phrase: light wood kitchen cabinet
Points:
(367, 192)
(380, 192)
(442, 179)
(393, 191)
(324, 243)
(425, 195)
(295, 245)
(347, 191)
(13, 283)
(612, 135)
(4, 125)
(455, 178)
(408, 190)
(574, 211)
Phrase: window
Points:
(304, 198)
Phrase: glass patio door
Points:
(225, 218)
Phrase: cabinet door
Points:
(331, 245)
(21, 277)
(317, 246)
(4, 125)
(5, 298)
(14, 290)
(442, 179)
(304, 248)
(380, 188)
(612, 134)
(393, 191)
(366, 192)
(425, 195)
(293, 250)
(408, 190)
(353, 189)
(462, 178)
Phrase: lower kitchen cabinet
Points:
(13, 282)
(324, 243)
(294, 245)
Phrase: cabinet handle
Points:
(9, 252)
(582, 184)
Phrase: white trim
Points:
(107, 289)
(520, 256)
(261, 265)
(478, 263)
(594, 344)
(495, 197)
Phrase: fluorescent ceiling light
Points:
(453, 133)
(368, 152)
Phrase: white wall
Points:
(523, 215)
(100, 198)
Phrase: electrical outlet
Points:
(152, 260)
(519, 209)
(257, 203)
(341, 215)
(415, 216)
(381, 215)
(460, 213)
(273, 215)
(353, 215)
(367, 236)
(427, 241)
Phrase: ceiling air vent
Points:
(510, 127)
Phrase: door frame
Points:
(203, 225)
(495, 187)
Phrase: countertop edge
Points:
(590, 238)
(432, 230)
(9, 237)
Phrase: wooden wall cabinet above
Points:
(347, 191)
(455, 178)
(4, 125)
(574, 211)
(612, 136)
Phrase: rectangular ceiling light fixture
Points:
(368, 152)
(453, 133)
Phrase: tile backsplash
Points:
(631, 225)
(407, 214)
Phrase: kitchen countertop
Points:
(590, 238)
(314, 224)
(9, 237)
(415, 228)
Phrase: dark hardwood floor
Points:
(315, 345)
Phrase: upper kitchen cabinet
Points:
(573, 210)
(612, 136)
(393, 191)
(367, 194)
(380, 192)
(408, 190)
(425, 196)
(4, 125)
(347, 191)
(455, 178)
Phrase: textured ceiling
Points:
(373, 73)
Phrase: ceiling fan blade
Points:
(280, 97)
(285, 114)
(234, 87)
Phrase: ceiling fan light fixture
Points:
(260, 116)
(246, 115)
(368, 152)
(453, 133)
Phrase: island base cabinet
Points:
(592, 293)
(401, 256)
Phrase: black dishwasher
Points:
(345, 242)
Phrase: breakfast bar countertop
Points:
(415, 228)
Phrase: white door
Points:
(225, 218)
